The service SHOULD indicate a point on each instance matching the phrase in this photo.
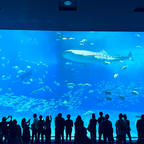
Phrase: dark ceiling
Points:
(99, 15)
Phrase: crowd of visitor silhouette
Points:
(11, 133)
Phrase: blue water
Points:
(36, 78)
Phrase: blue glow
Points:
(36, 75)
(68, 3)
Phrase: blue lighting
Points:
(67, 3)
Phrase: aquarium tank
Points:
(72, 72)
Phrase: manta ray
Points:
(85, 56)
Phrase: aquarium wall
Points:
(47, 72)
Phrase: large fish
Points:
(84, 56)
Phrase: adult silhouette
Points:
(78, 126)
(92, 128)
(120, 130)
(26, 131)
(59, 128)
(4, 128)
(48, 129)
(127, 126)
(107, 130)
(100, 122)
(34, 127)
(140, 130)
(15, 133)
(69, 125)
(40, 128)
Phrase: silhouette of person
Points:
(26, 131)
(69, 125)
(5, 128)
(40, 128)
(100, 121)
(15, 133)
(83, 136)
(78, 126)
(92, 128)
(48, 129)
(59, 128)
(34, 127)
(81, 132)
(120, 130)
(107, 130)
(127, 126)
(140, 129)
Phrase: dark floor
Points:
(133, 142)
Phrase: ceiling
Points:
(91, 15)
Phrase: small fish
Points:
(25, 75)
(68, 63)
(83, 40)
(71, 38)
(65, 102)
(64, 38)
(107, 92)
(116, 75)
(139, 46)
(122, 97)
(108, 98)
(124, 67)
(41, 82)
(91, 91)
(15, 67)
(28, 66)
(135, 92)
(70, 84)
(138, 35)
(70, 87)
(88, 112)
(20, 71)
(56, 83)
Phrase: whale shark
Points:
(85, 56)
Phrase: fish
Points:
(122, 97)
(107, 92)
(135, 92)
(124, 67)
(88, 112)
(85, 56)
(65, 102)
(15, 67)
(116, 75)
(91, 91)
(25, 75)
(108, 98)
(139, 46)
(56, 83)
